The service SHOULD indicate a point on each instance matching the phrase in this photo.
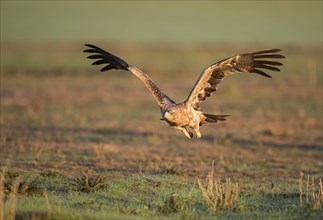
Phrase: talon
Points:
(189, 135)
(198, 135)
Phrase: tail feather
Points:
(208, 118)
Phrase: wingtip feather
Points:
(272, 56)
(261, 73)
(267, 51)
(90, 45)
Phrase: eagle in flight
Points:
(188, 113)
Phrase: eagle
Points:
(186, 114)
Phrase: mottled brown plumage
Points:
(187, 113)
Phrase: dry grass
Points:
(10, 207)
(48, 206)
(313, 194)
(2, 176)
(219, 195)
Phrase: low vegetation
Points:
(219, 195)
(313, 193)
(78, 144)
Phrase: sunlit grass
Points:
(89, 145)
(219, 195)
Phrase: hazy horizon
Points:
(276, 22)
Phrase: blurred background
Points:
(32, 24)
(47, 80)
(270, 22)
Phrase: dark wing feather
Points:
(214, 74)
(104, 57)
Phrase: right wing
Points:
(214, 74)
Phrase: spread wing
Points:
(214, 74)
(113, 62)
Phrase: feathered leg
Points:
(188, 134)
(197, 132)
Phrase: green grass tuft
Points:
(90, 184)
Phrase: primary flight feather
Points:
(188, 114)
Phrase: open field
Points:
(63, 122)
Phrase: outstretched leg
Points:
(197, 131)
(188, 134)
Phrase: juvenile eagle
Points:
(187, 113)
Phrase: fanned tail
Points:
(208, 118)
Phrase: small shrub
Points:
(90, 184)
(24, 186)
(219, 195)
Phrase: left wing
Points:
(113, 62)
(214, 74)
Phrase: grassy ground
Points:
(76, 143)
